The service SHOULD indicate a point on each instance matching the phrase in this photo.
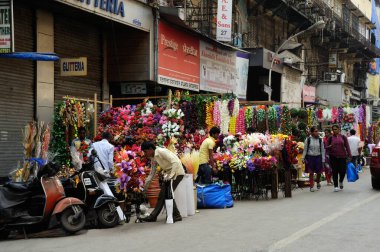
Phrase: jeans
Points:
(204, 174)
(339, 167)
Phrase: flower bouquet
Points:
(130, 169)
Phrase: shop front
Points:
(98, 43)
(188, 61)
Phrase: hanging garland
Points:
(248, 116)
(240, 125)
(58, 137)
(340, 114)
(272, 120)
(225, 117)
(232, 125)
(286, 128)
(216, 114)
(309, 117)
(209, 112)
(279, 115)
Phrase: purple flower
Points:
(250, 165)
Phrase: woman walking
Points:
(314, 157)
(339, 151)
(328, 170)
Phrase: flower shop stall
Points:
(69, 115)
(181, 122)
(36, 140)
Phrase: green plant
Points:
(302, 113)
(293, 112)
(302, 126)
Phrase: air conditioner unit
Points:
(330, 77)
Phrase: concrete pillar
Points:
(45, 69)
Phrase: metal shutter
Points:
(17, 93)
(72, 39)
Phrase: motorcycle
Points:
(101, 208)
(39, 204)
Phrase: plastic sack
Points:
(359, 168)
(352, 173)
(214, 196)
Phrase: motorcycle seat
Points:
(16, 186)
(10, 197)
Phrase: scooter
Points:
(39, 204)
(100, 207)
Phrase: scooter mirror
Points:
(93, 152)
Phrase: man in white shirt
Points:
(105, 153)
(355, 148)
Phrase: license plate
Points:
(87, 181)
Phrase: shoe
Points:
(336, 189)
(341, 185)
(318, 186)
(149, 218)
(311, 189)
(329, 184)
(177, 218)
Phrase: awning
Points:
(31, 56)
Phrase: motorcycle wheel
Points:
(107, 218)
(71, 225)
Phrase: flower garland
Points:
(248, 116)
(231, 105)
(285, 121)
(225, 117)
(216, 113)
(240, 125)
(320, 114)
(236, 107)
(209, 113)
(272, 120)
(260, 113)
(340, 114)
(309, 117)
(279, 115)
(334, 117)
(232, 125)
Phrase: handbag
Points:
(352, 173)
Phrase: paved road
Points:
(320, 221)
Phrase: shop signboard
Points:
(6, 26)
(130, 12)
(373, 85)
(73, 66)
(218, 69)
(308, 93)
(242, 66)
(129, 88)
(178, 58)
(224, 20)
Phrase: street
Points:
(318, 221)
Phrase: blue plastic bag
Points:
(359, 168)
(214, 196)
(352, 173)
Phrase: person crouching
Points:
(173, 171)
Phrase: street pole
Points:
(317, 25)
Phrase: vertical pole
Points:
(95, 113)
(111, 101)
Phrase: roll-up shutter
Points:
(73, 39)
(17, 93)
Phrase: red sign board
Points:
(178, 58)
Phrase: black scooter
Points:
(100, 207)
